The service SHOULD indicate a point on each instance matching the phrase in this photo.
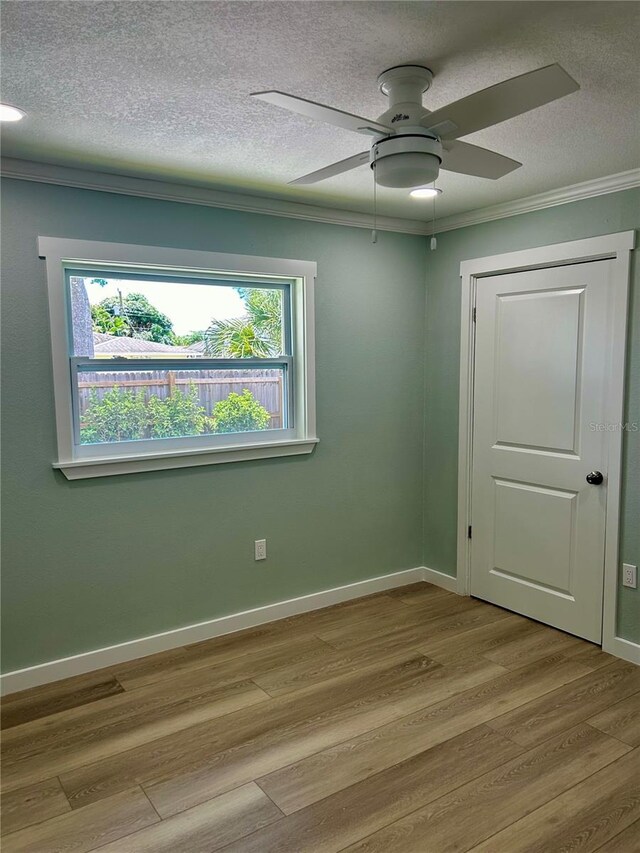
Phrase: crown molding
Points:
(564, 195)
(48, 173)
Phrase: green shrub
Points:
(188, 339)
(239, 413)
(123, 415)
(119, 416)
(177, 415)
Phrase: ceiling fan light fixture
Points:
(10, 113)
(425, 192)
(407, 170)
(407, 160)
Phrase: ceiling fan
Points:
(411, 144)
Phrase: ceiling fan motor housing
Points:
(407, 160)
(412, 156)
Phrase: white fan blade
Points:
(320, 112)
(501, 102)
(334, 169)
(470, 160)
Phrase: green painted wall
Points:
(97, 562)
(603, 215)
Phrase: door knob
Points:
(594, 478)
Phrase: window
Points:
(168, 358)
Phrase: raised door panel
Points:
(537, 369)
(535, 536)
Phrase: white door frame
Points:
(616, 247)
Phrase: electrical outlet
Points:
(629, 575)
(260, 549)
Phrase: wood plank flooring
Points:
(412, 721)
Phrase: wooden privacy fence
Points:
(211, 386)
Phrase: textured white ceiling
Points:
(160, 89)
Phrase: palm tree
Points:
(236, 338)
(258, 334)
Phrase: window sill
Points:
(81, 469)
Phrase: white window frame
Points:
(81, 461)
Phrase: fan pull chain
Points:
(434, 243)
(374, 233)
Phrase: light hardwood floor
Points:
(412, 721)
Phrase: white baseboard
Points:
(625, 649)
(437, 578)
(44, 673)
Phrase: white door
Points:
(541, 353)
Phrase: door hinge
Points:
(469, 532)
(474, 315)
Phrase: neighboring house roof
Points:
(104, 344)
(101, 337)
(198, 346)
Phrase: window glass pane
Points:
(155, 317)
(128, 405)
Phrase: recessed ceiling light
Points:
(9, 113)
(425, 192)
